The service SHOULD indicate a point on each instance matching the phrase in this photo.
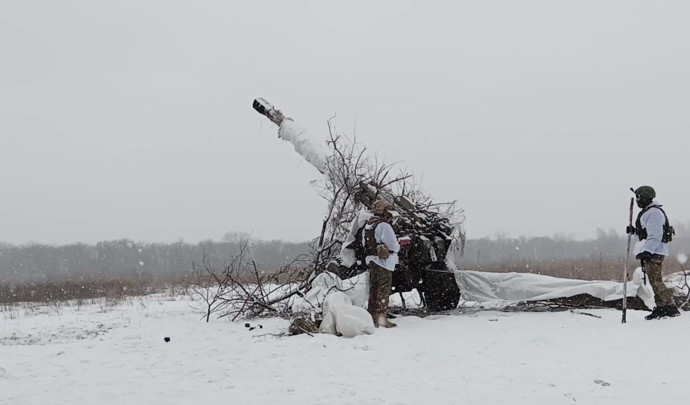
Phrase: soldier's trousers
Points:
(662, 295)
(380, 282)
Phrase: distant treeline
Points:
(562, 256)
(125, 259)
(599, 258)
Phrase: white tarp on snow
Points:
(356, 289)
(485, 287)
(512, 287)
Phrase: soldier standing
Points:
(382, 255)
(654, 233)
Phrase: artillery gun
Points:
(430, 241)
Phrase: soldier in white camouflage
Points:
(382, 246)
(654, 232)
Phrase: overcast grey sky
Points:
(133, 118)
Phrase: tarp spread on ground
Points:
(485, 287)
(515, 287)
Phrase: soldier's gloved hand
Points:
(630, 230)
(644, 257)
(382, 252)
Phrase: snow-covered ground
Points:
(116, 354)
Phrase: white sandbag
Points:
(335, 298)
(342, 318)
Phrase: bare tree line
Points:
(563, 256)
(598, 258)
(126, 259)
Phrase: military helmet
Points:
(645, 192)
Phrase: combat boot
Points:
(670, 311)
(663, 312)
(656, 313)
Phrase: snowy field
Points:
(115, 354)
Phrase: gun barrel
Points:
(310, 147)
